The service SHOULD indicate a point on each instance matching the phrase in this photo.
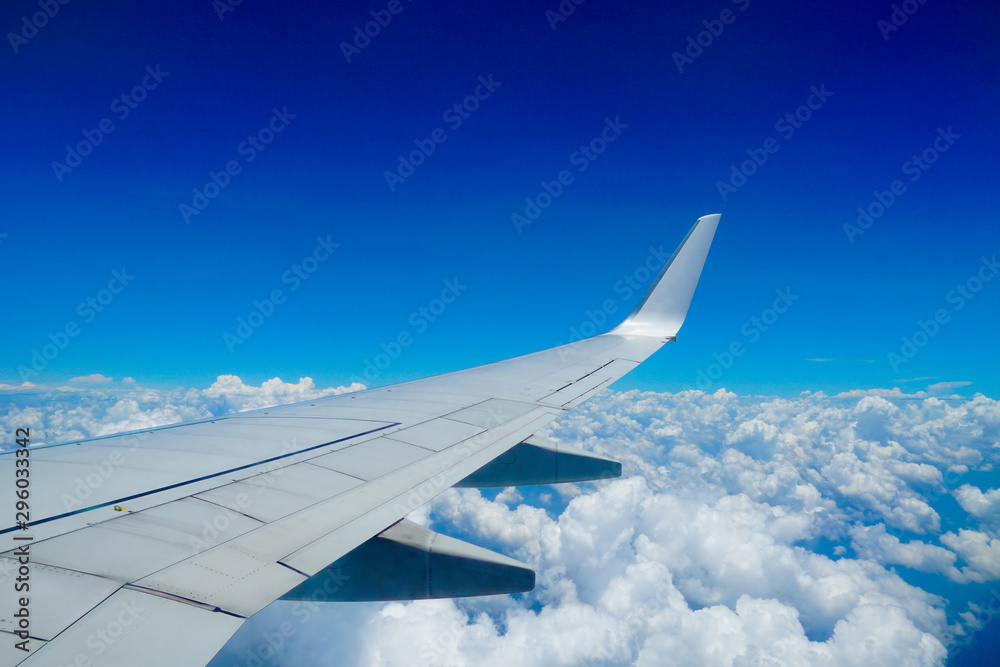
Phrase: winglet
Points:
(662, 310)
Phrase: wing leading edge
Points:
(234, 515)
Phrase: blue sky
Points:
(236, 171)
(552, 91)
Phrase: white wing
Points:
(223, 516)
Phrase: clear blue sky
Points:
(211, 84)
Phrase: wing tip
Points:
(663, 308)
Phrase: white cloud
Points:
(72, 413)
(706, 552)
(980, 504)
(895, 392)
(707, 547)
(630, 575)
(93, 378)
(875, 543)
(24, 386)
(945, 387)
(980, 551)
(240, 396)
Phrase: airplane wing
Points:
(153, 547)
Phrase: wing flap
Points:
(270, 496)
(391, 499)
(233, 579)
(11, 655)
(436, 434)
(58, 597)
(136, 545)
(372, 459)
(491, 413)
(128, 629)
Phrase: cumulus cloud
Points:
(240, 397)
(93, 378)
(631, 575)
(709, 541)
(72, 413)
(24, 386)
(875, 543)
(979, 550)
(980, 504)
(945, 387)
(745, 531)
(895, 392)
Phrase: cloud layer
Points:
(745, 531)
(68, 413)
(710, 550)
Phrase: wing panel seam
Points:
(197, 479)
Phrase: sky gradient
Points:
(308, 125)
